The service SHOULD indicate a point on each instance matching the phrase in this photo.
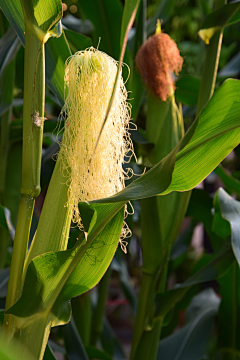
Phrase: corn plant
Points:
(93, 187)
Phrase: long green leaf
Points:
(48, 355)
(9, 45)
(57, 50)
(5, 221)
(216, 268)
(187, 89)
(43, 15)
(212, 137)
(14, 352)
(190, 341)
(6, 88)
(200, 209)
(4, 276)
(229, 312)
(230, 209)
(106, 16)
(227, 212)
(229, 181)
(129, 14)
(74, 345)
(218, 19)
(73, 271)
(164, 10)
(13, 12)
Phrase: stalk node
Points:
(31, 192)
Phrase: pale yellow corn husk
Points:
(89, 78)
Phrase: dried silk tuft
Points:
(157, 59)
(89, 79)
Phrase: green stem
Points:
(161, 218)
(147, 285)
(82, 314)
(33, 112)
(97, 323)
(148, 345)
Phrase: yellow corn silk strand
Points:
(89, 79)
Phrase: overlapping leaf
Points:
(216, 268)
(73, 271)
(105, 15)
(230, 209)
(209, 140)
(44, 15)
(218, 19)
(57, 49)
(179, 346)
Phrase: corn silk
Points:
(89, 81)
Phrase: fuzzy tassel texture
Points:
(89, 79)
(157, 59)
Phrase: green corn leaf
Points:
(227, 211)
(5, 221)
(13, 180)
(4, 275)
(106, 16)
(200, 209)
(43, 16)
(13, 352)
(165, 9)
(216, 268)
(6, 88)
(129, 14)
(9, 45)
(209, 140)
(229, 181)
(187, 88)
(110, 342)
(218, 19)
(13, 12)
(230, 209)
(119, 264)
(48, 355)
(57, 50)
(77, 41)
(228, 327)
(94, 353)
(190, 341)
(82, 315)
(73, 271)
(74, 345)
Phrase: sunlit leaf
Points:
(72, 271)
(208, 141)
